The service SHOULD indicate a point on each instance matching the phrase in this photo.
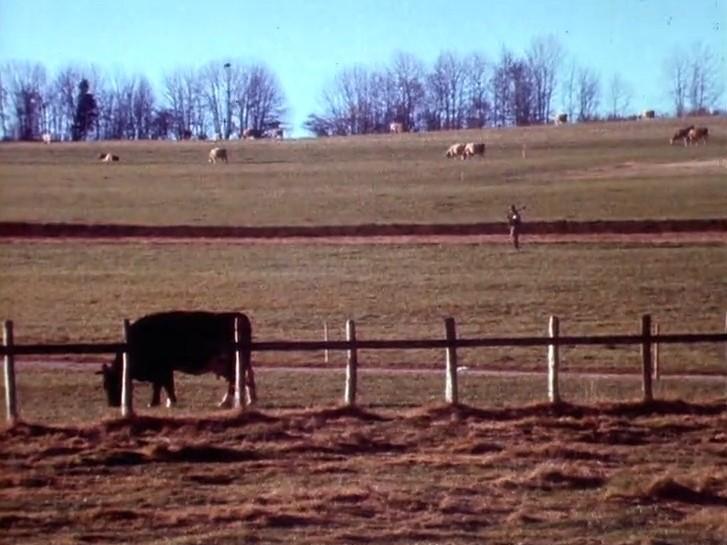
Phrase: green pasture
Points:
(579, 172)
(79, 291)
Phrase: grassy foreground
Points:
(614, 475)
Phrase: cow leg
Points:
(156, 394)
(171, 396)
(229, 396)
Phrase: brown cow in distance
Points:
(697, 135)
(681, 134)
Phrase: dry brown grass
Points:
(570, 173)
(434, 475)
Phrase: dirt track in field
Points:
(712, 231)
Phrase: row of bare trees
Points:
(222, 99)
(470, 91)
(216, 100)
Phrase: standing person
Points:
(514, 220)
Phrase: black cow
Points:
(190, 342)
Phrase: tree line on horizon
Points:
(222, 99)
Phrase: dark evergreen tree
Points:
(86, 111)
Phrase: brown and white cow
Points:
(648, 114)
(697, 135)
(455, 150)
(396, 127)
(561, 119)
(473, 148)
(681, 134)
(108, 158)
(217, 154)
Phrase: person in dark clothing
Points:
(514, 220)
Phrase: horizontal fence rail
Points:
(389, 344)
(648, 339)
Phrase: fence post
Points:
(349, 396)
(657, 369)
(11, 402)
(553, 360)
(451, 394)
(127, 391)
(239, 368)
(646, 357)
(325, 339)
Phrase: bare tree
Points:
(182, 90)
(706, 84)
(676, 71)
(3, 105)
(619, 95)
(446, 92)
(543, 59)
(26, 86)
(142, 108)
(477, 103)
(407, 75)
(502, 91)
(589, 94)
(212, 79)
(259, 98)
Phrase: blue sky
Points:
(305, 42)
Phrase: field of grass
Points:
(68, 292)
(402, 468)
(579, 172)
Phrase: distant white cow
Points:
(217, 154)
(396, 127)
(455, 150)
(108, 158)
(473, 148)
(47, 138)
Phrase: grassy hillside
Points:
(579, 172)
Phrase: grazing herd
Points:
(688, 136)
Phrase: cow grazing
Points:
(276, 134)
(648, 114)
(697, 135)
(561, 119)
(252, 134)
(191, 342)
(681, 134)
(217, 154)
(108, 158)
(47, 138)
(396, 127)
(473, 148)
(455, 150)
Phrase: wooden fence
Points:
(647, 338)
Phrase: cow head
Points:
(112, 383)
